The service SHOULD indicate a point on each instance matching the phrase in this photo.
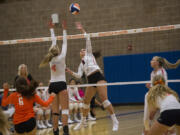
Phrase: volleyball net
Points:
(30, 48)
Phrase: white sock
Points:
(113, 117)
(41, 122)
(81, 115)
(83, 119)
(47, 121)
(89, 114)
(38, 122)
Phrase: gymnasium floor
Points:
(130, 123)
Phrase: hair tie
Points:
(159, 82)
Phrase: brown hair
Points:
(3, 123)
(97, 54)
(166, 64)
(53, 51)
(24, 89)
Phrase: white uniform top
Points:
(89, 65)
(57, 64)
(168, 103)
(163, 73)
(73, 92)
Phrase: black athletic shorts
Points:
(26, 126)
(170, 117)
(95, 77)
(56, 87)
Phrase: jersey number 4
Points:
(53, 68)
(21, 101)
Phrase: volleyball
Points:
(74, 8)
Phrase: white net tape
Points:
(98, 34)
(108, 84)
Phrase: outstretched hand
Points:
(148, 85)
(68, 70)
(51, 24)
(80, 27)
(53, 94)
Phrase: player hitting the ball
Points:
(94, 75)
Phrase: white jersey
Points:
(57, 64)
(88, 64)
(73, 93)
(160, 71)
(168, 103)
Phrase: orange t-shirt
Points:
(23, 106)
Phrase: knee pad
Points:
(76, 106)
(80, 105)
(71, 106)
(47, 111)
(40, 111)
(65, 112)
(85, 106)
(106, 103)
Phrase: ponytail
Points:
(53, 51)
(46, 60)
(166, 64)
(97, 54)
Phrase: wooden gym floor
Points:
(130, 123)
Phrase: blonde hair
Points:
(159, 90)
(158, 79)
(19, 69)
(166, 64)
(53, 51)
(3, 123)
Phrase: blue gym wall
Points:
(136, 67)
